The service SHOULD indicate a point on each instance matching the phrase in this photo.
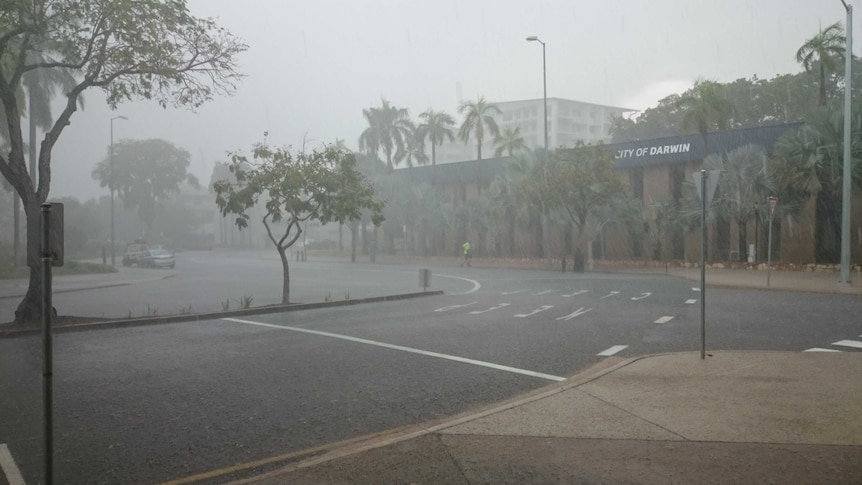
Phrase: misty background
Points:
(312, 67)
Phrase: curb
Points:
(79, 327)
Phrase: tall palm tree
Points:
(437, 127)
(388, 130)
(825, 50)
(414, 150)
(509, 141)
(704, 107)
(478, 117)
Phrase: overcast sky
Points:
(313, 66)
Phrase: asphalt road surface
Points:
(157, 403)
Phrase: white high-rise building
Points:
(568, 122)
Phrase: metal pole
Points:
(845, 191)
(769, 251)
(111, 187)
(545, 235)
(703, 175)
(47, 349)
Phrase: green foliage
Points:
(509, 142)
(389, 129)
(478, 117)
(825, 50)
(145, 173)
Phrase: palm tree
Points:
(436, 126)
(509, 141)
(389, 128)
(825, 50)
(414, 149)
(478, 116)
(742, 184)
(705, 107)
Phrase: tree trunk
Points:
(30, 308)
(353, 230)
(511, 233)
(742, 241)
(285, 287)
(16, 231)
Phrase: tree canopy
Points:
(292, 188)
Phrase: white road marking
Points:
(453, 307)
(664, 319)
(538, 310)
(694, 288)
(609, 295)
(818, 349)
(579, 292)
(542, 293)
(691, 302)
(643, 295)
(611, 351)
(513, 292)
(501, 305)
(404, 349)
(849, 343)
(578, 312)
(476, 284)
(10, 469)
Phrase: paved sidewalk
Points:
(736, 417)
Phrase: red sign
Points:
(773, 202)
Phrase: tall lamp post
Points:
(111, 188)
(533, 38)
(845, 191)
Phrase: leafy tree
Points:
(150, 50)
(437, 127)
(478, 117)
(509, 141)
(825, 50)
(145, 173)
(586, 188)
(704, 107)
(743, 185)
(294, 188)
(389, 129)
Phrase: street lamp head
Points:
(532, 38)
(121, 117)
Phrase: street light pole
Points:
(845, 191)
(111, 188)
(534, 38)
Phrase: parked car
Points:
(158, 258)
(135, 252)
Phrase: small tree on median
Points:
(323, 185)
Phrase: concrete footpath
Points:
(735, 417)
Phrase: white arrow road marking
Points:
(476, 284)
(849, 343)
(609, 295)
(10, 469)
(542, 293)
(578, 312)
(643, 295)
(538, 310)
(403, 349)
(611, 351)
(501, 305)
(513, 292)
(579, 292)
(664, 319)
(818, 349)
(694, 288)
(452, 307)
(691, 302)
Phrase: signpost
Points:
(706, 182)
(773, 203)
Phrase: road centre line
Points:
(609, 295)
(455, 358)
(513, 292)
(664, 319)
(542, 293)
(818, 349)
(611, 351)
(694, 288)
(476, 284)
(691, 301)
(10, 469)
(575, 293)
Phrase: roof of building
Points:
(641, 153)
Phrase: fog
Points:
(313, 66)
